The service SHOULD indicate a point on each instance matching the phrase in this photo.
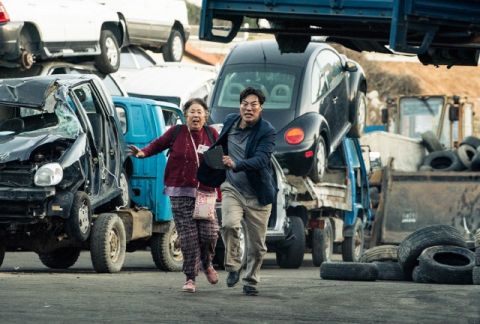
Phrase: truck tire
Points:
(413, 245)
(352, 247)
(109, 59)
(380, 253)
(291, 256)
(79, 223)
(165, 249)
(465, 154)
(360, 116)
(443, 161)
(62, 258)
(108, 243)
(476, 276)
(2, 254)
(354, 271)
(447, 264)
(388, 270)
(419, 276)
(174, 49)
(322, 244)
(319, 164)
(471, 141)
(431, 142)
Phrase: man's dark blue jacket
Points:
(257, 164)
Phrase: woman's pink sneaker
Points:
(189, 286)
(212, 275)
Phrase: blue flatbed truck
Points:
(439, 32)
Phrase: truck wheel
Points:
(319, 162)
(322, 244)
(360, 115)
(352, 247)
(79, 223)
(108, 243)
(291, 256)
(175, 47)
(109, 59)
(413, 245)
(2, 253)
(380, 253)
(124, 199)
(165, 248)
(447, 264)
(62, 258)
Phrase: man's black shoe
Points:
(233, 277)
(250, 291)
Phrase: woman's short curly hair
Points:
(192, 101)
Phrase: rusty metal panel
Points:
(138, 223)
(417, 199)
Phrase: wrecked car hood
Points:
(19, 147)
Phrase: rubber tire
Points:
(380, 253)
(102, 61)
(166, 257)
(100, 245)
(62, 258)
(354, 271)
(447, 264)
(471, 141)
(349, 243)
(477, 238)
(413, 245)
(315, 173)
(388, 270)
(476, 275)
(444, 161)
(291, 257)
(419, 276)
(358, 125)
(466, 153)
(475, 166)
(322, 244)
(167, 49)
(431, 142)
(2, 254)
(124, 199)
(73, 221)
(27, 44)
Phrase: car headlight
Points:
(49, 174)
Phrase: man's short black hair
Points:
(252, 91)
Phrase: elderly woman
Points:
(187, 143)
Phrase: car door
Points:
(335, 102)
(137, 17)
(161, 24)
(80, 24)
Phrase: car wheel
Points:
(26, 46)
(108, 244)
(79, 222)
(358, 124)
(291, 256)
(124, 199)
(352, 247)
(62, 258)
(166, 251)
(175, 47)
(319, 162)
(2, 253)
(109, 59)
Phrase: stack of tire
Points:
(465, 157)
(432, 254)
(476, 269)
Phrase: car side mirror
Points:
(384, 116)
(453, 113)
(351, 66)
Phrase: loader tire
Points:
(431, 142)
(380, 253)
(447, 264)
(354, 271)
(413, 245)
